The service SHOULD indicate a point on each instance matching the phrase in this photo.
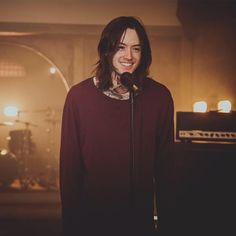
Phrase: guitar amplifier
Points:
(209, 126)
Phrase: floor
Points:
(31, 212)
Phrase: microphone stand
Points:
(127, 80)
(132, 156)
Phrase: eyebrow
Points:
(135, 45)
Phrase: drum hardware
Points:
(28, 169)
(48, 178)
(21, 145)
(31, 170)
(8, 168)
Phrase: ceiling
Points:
(92, 12)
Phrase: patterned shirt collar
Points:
(112, 93)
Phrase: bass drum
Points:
(8, 168)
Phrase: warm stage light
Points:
(53, 70)
(10, 111)
(3, 152)
(224, 106)
(200, 106)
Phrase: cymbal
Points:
(47, 110)
(6, 123)
(26, 123)
(43, 110)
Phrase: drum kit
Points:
(19, 162)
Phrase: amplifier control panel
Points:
(207, 135)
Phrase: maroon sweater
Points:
(95, 158)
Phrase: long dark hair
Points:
(108, 46)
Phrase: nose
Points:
(128, 53)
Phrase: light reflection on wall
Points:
(38, 97)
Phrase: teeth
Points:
(126, 64)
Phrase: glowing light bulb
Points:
(3, 152)
(224, 106)
(53, 70)
(200, 106)
(10, 111)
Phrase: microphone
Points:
(127, 80)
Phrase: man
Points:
(95, 168)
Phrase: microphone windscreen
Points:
(126, 80)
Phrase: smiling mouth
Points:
(126, 64)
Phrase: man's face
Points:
(128, 56)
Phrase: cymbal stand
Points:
(24, 174)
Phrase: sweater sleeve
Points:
(164, 166)
(165, 137)
(71, 168)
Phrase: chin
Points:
(128, 70)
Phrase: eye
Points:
(121, 47)
(137, 49)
